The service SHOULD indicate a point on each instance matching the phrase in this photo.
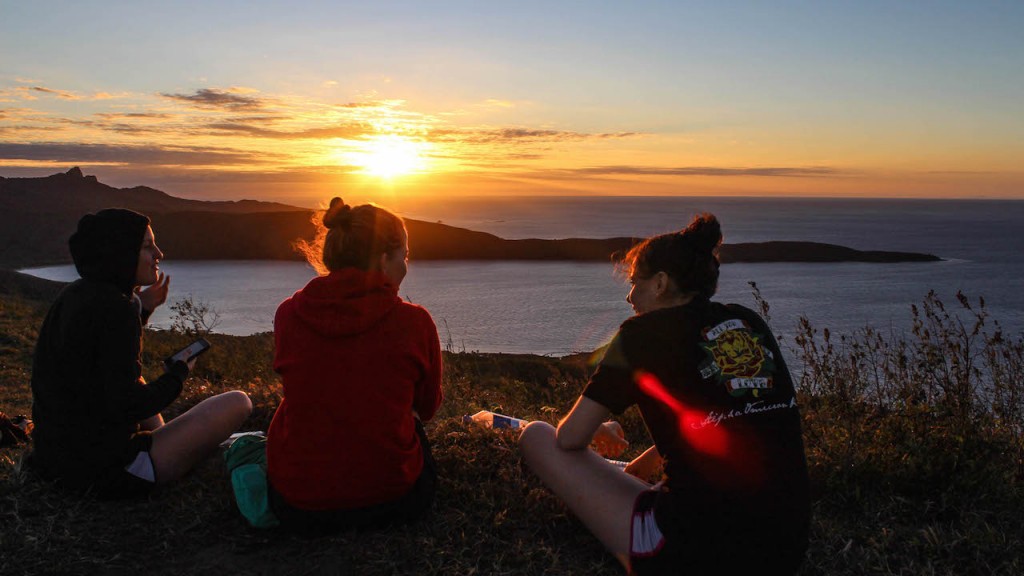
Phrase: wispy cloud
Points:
(960, 172)
(130, 122)
(790, 171)
(499, 103)
(27, 129)
(255, 176)
(363, 105)
(503, 135)
(232, 99)
(486, 162)
(109, 95)
(14, 113)
(33, 92)
(64, 95)
(265, 119)
(150, 155)
(139, 115)
(123, 128)
(348, 131)
(17, 93)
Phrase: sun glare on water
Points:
(390, 157)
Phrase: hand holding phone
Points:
(188, 353)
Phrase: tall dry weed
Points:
(922, 406)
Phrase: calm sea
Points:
(557, 307)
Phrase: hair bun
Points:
(705, 232)
(339, 215)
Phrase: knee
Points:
(535, 436)
(239, 402)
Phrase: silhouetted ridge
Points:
(38, 214)
(29, 287)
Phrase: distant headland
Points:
(38, 214)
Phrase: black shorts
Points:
(650, 549)
(407, 508)
(117, 483)
(710, 541)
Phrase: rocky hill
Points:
(74, 192)
(38, 214)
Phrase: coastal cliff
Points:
(38, 214)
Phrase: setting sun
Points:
(390, 156)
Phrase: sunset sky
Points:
(298, 101)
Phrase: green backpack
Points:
(246, 461)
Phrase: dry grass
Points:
(193, 527)
(896, 491)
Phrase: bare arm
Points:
(576, 430)
(587, 418)
(646, 465)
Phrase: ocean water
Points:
(561, 307)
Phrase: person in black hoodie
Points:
(97, 421)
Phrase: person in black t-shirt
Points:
(716, 396)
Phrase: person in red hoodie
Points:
(361, 372)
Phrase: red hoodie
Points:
(355, 361)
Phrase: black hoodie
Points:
(88, 394)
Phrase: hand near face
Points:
(155, 294)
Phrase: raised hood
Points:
(346, 302)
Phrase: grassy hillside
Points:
(914, 470)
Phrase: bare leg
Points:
(183, 442)
(152, 423)
(599, 493)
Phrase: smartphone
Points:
(188, 352)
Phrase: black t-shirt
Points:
(718, 400)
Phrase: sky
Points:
(300, 101)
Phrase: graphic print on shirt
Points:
(738, 359)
